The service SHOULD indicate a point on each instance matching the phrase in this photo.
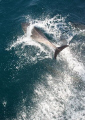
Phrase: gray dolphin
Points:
(78, 25)
(38, 35)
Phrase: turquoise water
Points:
(34, 86)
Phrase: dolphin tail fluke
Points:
(58, 50)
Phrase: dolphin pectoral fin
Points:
(24, 26)
(59, 49)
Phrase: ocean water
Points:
(34, 86)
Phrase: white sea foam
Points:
(57, 100)
(73, 63)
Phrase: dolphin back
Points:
(38, 35)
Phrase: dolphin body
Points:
(38, 36)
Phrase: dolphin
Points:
(38, 36)
(78, 25)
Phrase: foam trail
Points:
(73, 63)
(49, 100)
(57, 100)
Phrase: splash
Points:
(30, 51)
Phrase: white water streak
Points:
(73, 63)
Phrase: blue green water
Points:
(34, 86)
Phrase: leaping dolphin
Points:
(41, 38)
